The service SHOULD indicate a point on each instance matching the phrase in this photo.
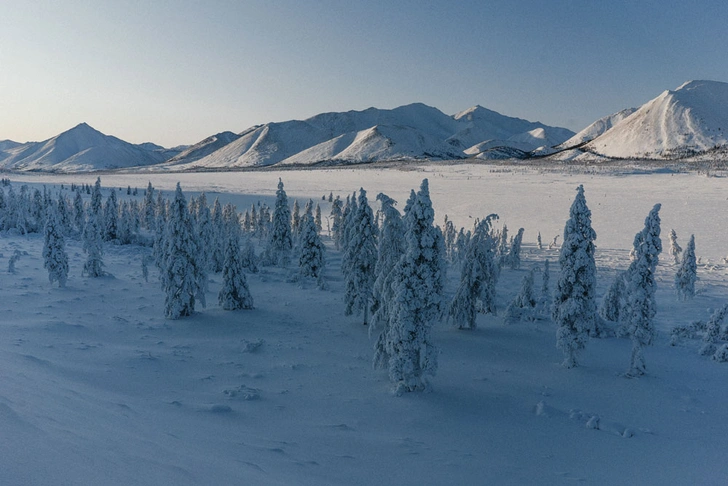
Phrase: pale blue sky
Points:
(175, 72)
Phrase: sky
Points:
(176, 72)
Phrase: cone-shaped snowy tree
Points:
(478, 277)
(234, 293)
(55, 258)
(523, 306)
(391, 249)
(149, 217)
(93, 247)
(207, 235)
(674, 249)
(613, 302)
(336, 222)
(111, 217)
(514, 255)
(79, 213)
(295, 218)
(217, 249)
(280, 242)
(311, 260)
(96, 204)
(639, 311)
(361, 258)
(183, 272)
(418, 299)
(317, 218)
(574, 310)
(687, 274)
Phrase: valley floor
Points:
(98, 388)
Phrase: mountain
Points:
(203, 148)
(7, 145)
(414, 131)
(596, 129)
(81, 148)
(676, 124)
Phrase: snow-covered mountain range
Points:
(691, 121)
(676, 124)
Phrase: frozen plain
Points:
(98, 388)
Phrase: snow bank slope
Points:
(81, 148)
(693, 118)
(597, 128)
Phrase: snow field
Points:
(99, 388)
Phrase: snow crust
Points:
(98, 388)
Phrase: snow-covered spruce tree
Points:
(523, 306)
(183, 275)
(317, 218)
(149, 208)
(539, 243)
(93, 247)
(207, 235)
(613, 301)
(687, 274)
(674, 249)
(234, 293)
(391, 249)
(280, 242)
(461, 245)
(126, 223)
(64, 214)
(55, 259)
(79, 213)
(574, 309)
(502, 249)
(514, 255)
(350, 211)
(96, 202)
(712, 331)
(418, 299)
(450, 237)
(336, 222)
(311, 259)
(216, 252)
(111, 217)
(361, 258)
(639, 311)
(478, 276)
(295, 219)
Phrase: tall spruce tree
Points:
(361, 258)
(93, 247)
(234, 293)
(391, 249)
(55, 259)
(674, 249)
(311, 258)
(280, 242)
(687, 274)
(183, 273)
(574, 310)
(418, 299)
(640, 307)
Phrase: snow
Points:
(597, 128)
(99, 388)
(675, 124)
(81, 148)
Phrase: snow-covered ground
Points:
(98, 388)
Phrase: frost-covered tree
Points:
(55, 259)
(349, 215)
(149, 214)
(687, 274)
(207, 234)
(450, 237)
(712, 335)
(391, 249)
(613, 302)
(317, 219)
(502, 249)
(418, 299)
(234, 293)
(336, 222)
(183, 275)
(478, 277)
(514, 254)
(111, 217)
(64, 214)
(93, 247)
(574, 309)
(79, 213)
(280, 242)
(361, 259)
(96, 201)
(311, 258)
(216, 253)
(539, 243)
(674, 249)
(640, 308)
(523, 306)
(295, 218)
